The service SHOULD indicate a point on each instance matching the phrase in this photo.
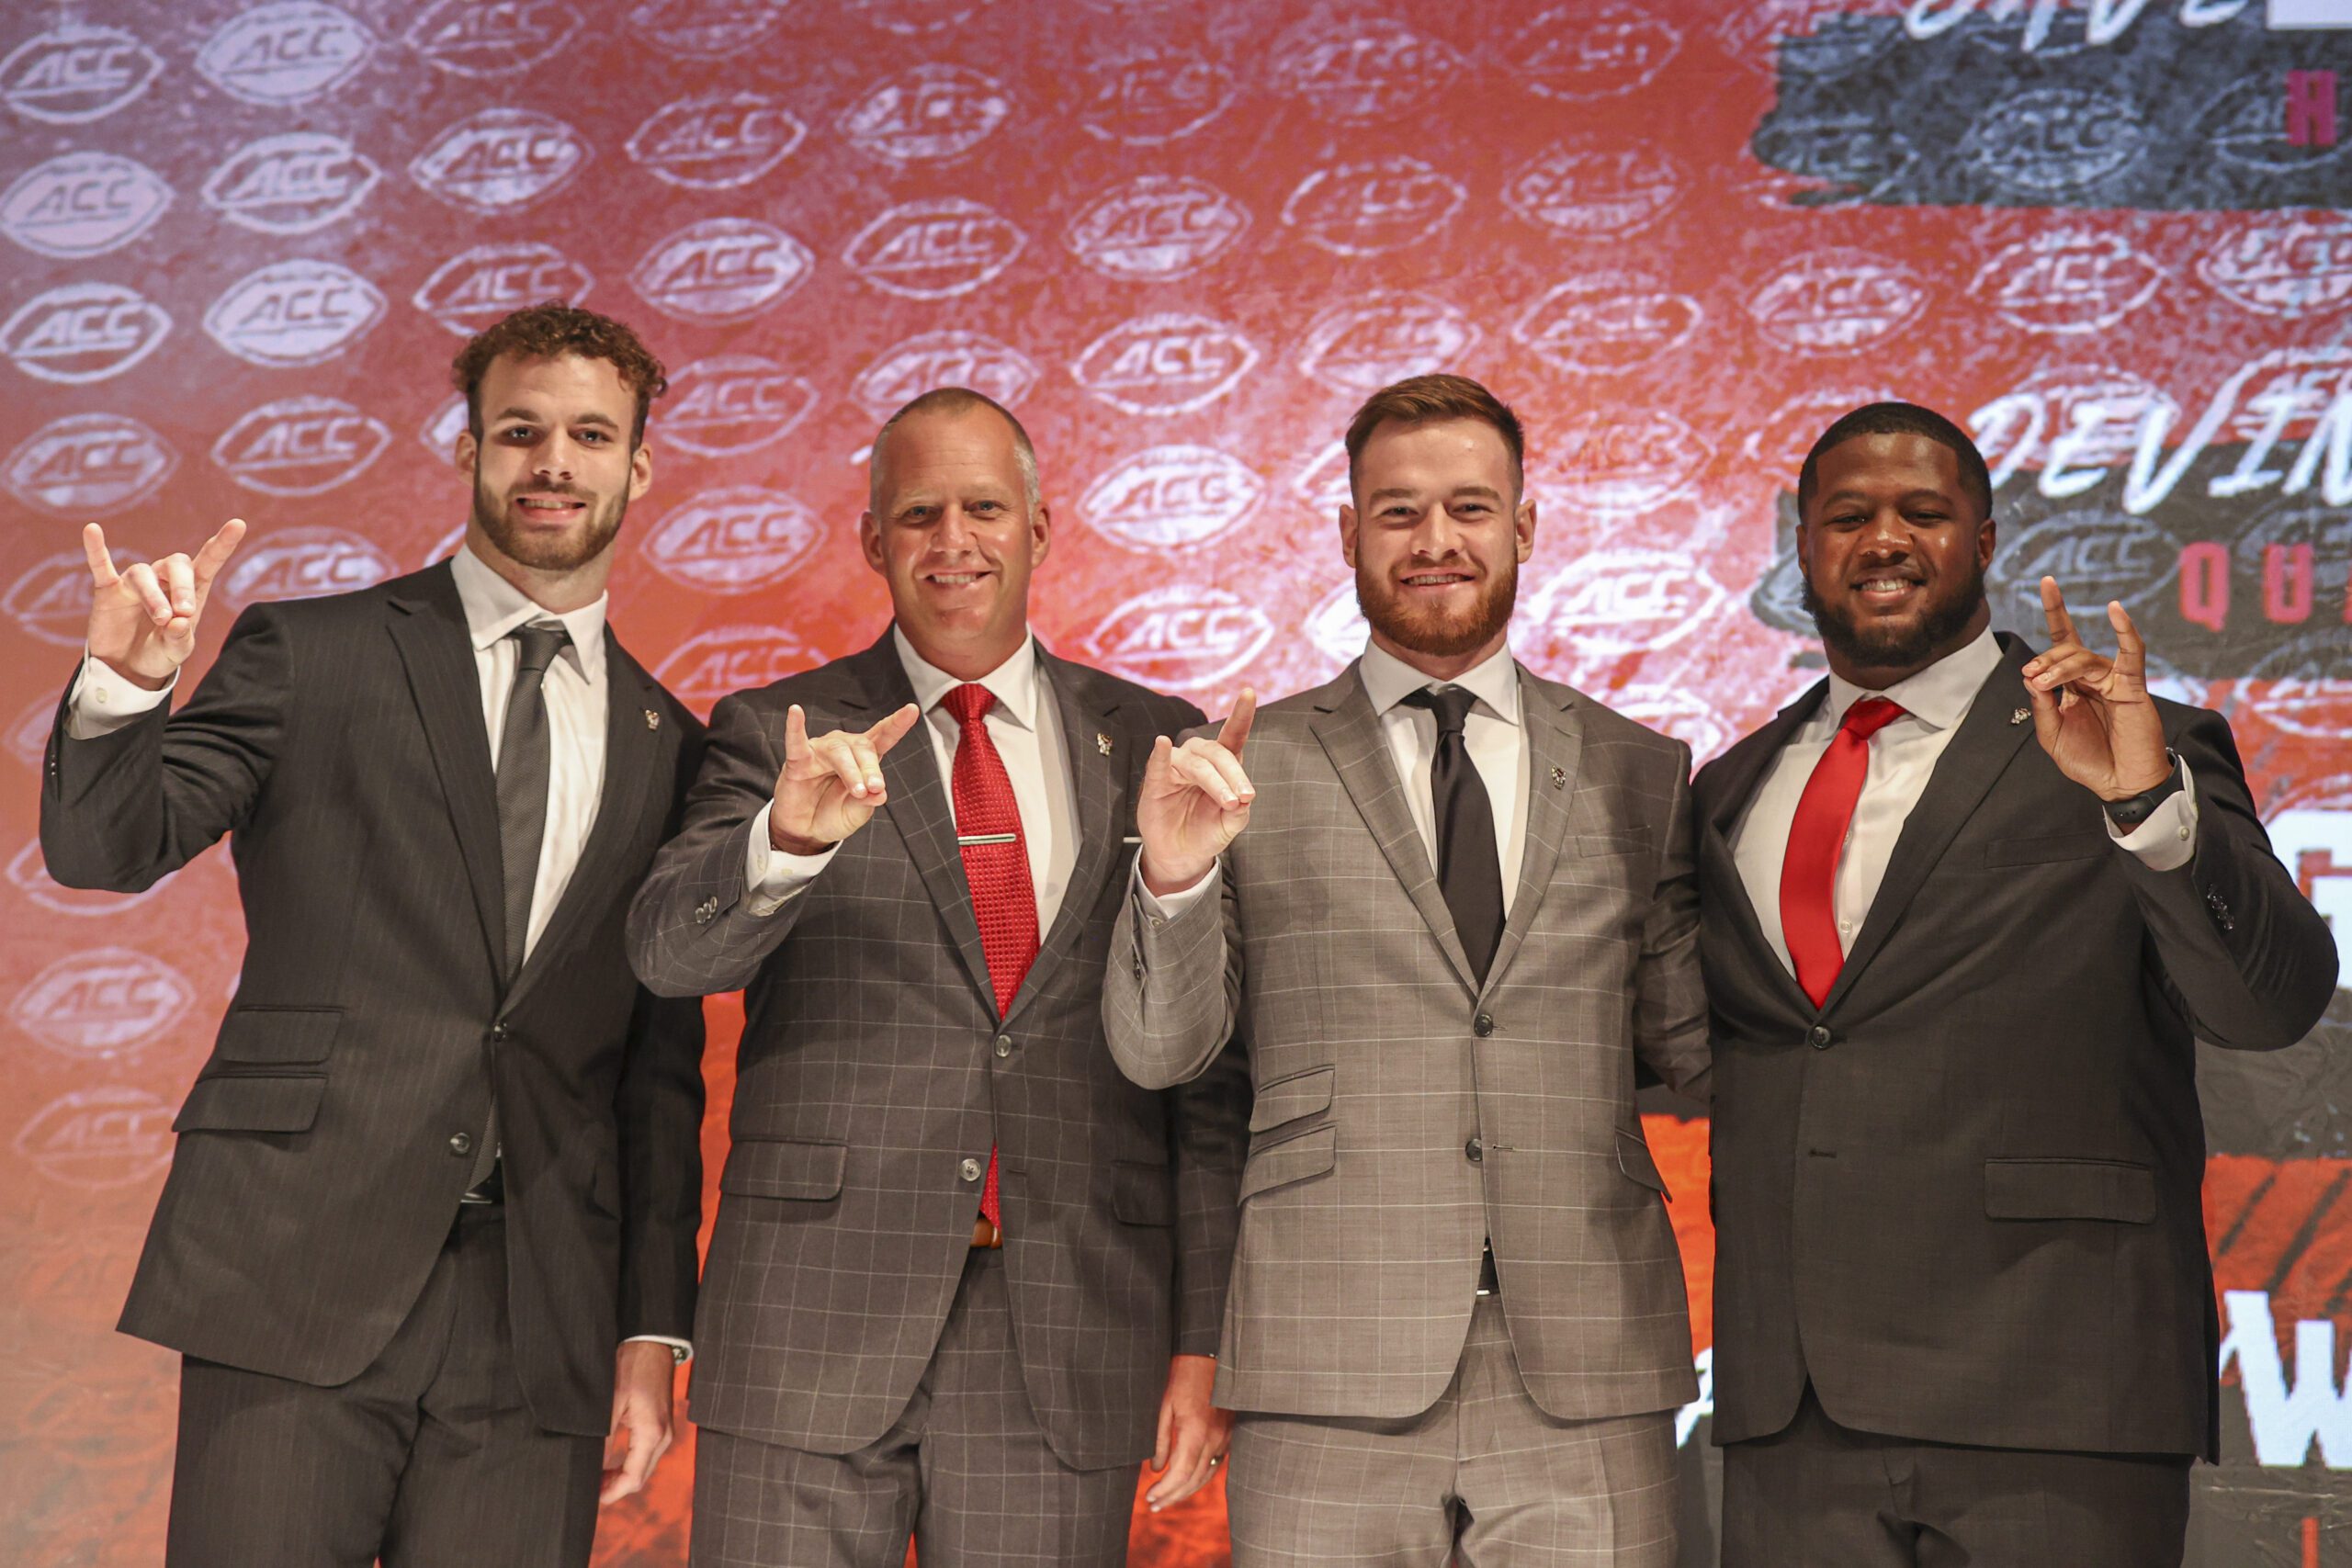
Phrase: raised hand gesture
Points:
(143, 620)
(831, 785)
(1194, 801)
(2092, 713)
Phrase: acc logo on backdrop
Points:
(1676, 711)
(294, 312)
(2242, 125)
(2055, 141)
(1169, 363)
(2098, 555)
(2309, 687)
(286, 53)
(51, 599)
(1147, 95)
(470, 39)
(1336, 625)
(1156, 227)
(302, 445)
(721, 270)
(910, 16)
(291, 183)
(726, 659)
(934, 249)
(102, 1003)
(88, 465)
(2311, 831)
(925, 112)
(28, 872)
(1361, 68)
(82, 204)
(1323, 483)
(475, 288)
(1624, 462)
(1585, 189)
(1181, 637)
(717, 141)
(2284, 263)
(500, 158)
(1166, 498)
(1624, 601)
(75, 72)
(108, 1137)
(2066, 281)
(733, 540)
(1777, 445)
(733, 403)
(83, 332)
(1578, 53)
(706, 29)
(1607, 322)
(1835, 302)
(950, 358)
(1364, 344)
(1362, 210)
(28, 736)
(303, 563)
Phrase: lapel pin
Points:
(1559, 778)
(653, 719)
(1102, 743)
(2018, 716)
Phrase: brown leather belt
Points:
(986, 1235)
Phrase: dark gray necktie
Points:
(1468, 870)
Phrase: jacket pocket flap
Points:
(1294, 1159)
(2069, 1190)
(763, 1168)
(1287, 1100)
(1628, 841)
(1142, 1194)
(277, 1034)
(251, 1105)
(1633, 1158)
(2048, 847)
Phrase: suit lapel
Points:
(1554, 751)
(1350, 733)
(428, 628)
(1099, 782)
(1745, 770)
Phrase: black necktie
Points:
(524, 762)
(1468, 869)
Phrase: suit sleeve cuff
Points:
(684, 1349)
(103, 702)
(2168, 840)
(1161, 907)
(771, 876)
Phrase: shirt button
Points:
(1004, 1044)
(1845, 927)
(971, 1170)
(2181, 833)
(1475, 1152)
(1818, 1037)
(498, 1031)
(1483, 1026)
(461, 1143)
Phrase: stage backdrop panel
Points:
(1183, 240)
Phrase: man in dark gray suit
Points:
(960, 1261)
(1462, 912)
(1964, 1308)
(428, 1239)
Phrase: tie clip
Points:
(964, 840)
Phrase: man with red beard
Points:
(1462, 912)
(428, 1239)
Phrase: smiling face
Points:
(553, 471)
(1436, 535)
(1893, 548)
(953, 535)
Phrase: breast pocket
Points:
(2047, 848)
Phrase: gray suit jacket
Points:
(874, 1066)
(1963, 1196)
(1404, 1114)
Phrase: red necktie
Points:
(996, 864)
(1816, 839)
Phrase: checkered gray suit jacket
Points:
(1379, 1061)
(874, 1064)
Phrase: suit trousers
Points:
(1816, 1494)
(965, 1470)
(1484, 1475)
(431, 1457)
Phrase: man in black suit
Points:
(428, 1240)
(1963, 1307)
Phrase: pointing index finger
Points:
(795, 734)
(93, 546)
(2053, 612)
(1235, 732)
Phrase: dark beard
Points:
(1945, 619)
(567, 553)
(1438, 636)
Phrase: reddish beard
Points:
(1438, 633)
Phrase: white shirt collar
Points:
(1014, 683)
(1936, 696)
(494, 607)
(1388, 680)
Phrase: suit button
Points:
(1483, 1026)
(1818, 1037)
(498, 1031)
(1004, 1044)
(461, 1143)
(971, 1170)
(1475, 1152)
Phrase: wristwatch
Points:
(2135, 809)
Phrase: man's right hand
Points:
(1194, 801)
(831, 785)
(143, 620)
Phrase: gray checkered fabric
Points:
(1378, 1061)
(1483, 1475)
(872, 1068)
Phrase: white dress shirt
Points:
(1902, 757)
(1024, 723)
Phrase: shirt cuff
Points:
(685, 1350)
(103, 702)
(1161, 907)
(771, 876)
(2168, 840)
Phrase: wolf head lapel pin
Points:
(653, 719)
(2018, 716)
(1559, 778)
(1102, 743)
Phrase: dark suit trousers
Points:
(429, 1458)
(965, 1470)
(1816, 1494)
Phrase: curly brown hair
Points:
(557, 327)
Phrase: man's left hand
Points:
(1193, 1433)
(643, 1374)
(2092, 713)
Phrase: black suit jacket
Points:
(875, 1065)
(339, 743)
(1962, 1195)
